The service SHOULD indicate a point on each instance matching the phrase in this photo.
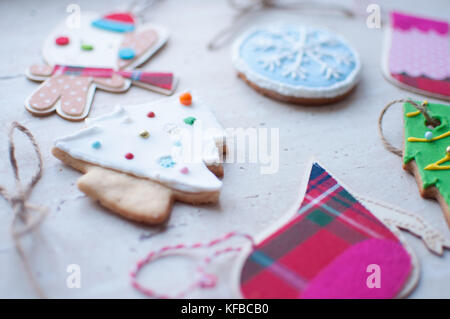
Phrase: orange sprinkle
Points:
(186, 98)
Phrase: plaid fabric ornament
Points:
(332, 248)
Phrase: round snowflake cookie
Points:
(297, 64)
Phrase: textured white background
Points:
(343, 137)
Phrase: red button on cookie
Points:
(62, 40)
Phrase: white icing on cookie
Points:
(106, 44)
(171, 145)
(297, 61)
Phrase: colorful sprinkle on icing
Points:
(189, 120)
(186, 98)
(96, 145)
(432, 139)
(151, 114)
(177, 143)
(415, 113)
(87, 47)
(412, 114)
(144, 134)
(129, 156)
(166, 161)
(62, 40)
(184, 170)
(116, 22)
(437, 166)
(428, 135)
(126, 53)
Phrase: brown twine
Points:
(227, 33)
(22, 224)
(421, 108)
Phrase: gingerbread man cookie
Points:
(100, 53)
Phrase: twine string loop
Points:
(205, 280)
(252, 6)
(420, 107)
(22, 223)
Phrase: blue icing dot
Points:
(96, 145)
(177, 143)
(298, 56)
(126, 53)
(166, 161)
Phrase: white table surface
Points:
(342, 136)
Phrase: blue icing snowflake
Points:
(166, 161)
(298, 56)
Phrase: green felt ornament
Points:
(426, 150)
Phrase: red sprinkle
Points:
(129, 156)
(62, 40)
(151, 114)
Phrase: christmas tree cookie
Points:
(427, 152)
(137, 161)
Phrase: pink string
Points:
(206, 280)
